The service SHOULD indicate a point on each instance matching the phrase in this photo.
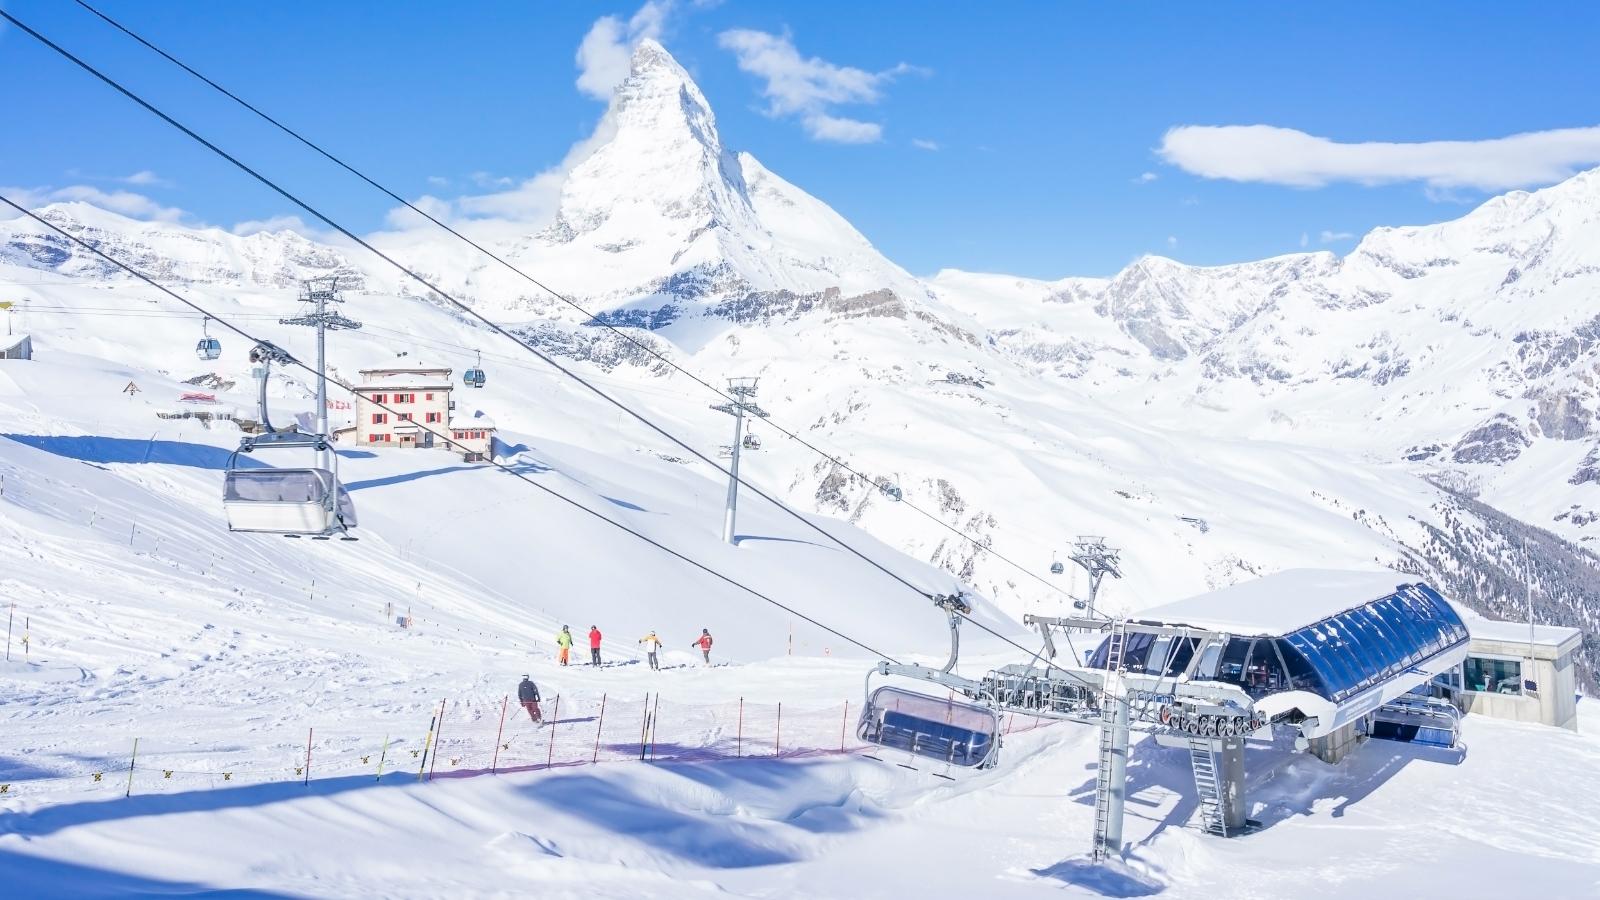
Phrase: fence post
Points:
(598, 727)
(555, 719)
(131, 760)
(844, 722)
(436, 740)
(738, 739)
(495, 763)
(309, 732)
(778, 736)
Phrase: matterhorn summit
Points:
(662, 210)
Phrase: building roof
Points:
(461, 423)
(1517, 632)
(407, 370)
(1277, 604)
(385, 380)
(13, 341)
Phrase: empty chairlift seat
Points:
(305, 500)
(946, 731)
(1418, 720)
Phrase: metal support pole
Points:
(309, 732)
(599, 727)
(732, 511)
(738, 737)
(777, 737)
(1117, 792)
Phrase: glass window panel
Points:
(1302, 677)
(1234, 657)
(1395, 615)
(1492, 676)
(1391, 649)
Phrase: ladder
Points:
(1203, 758)
(1109, 743)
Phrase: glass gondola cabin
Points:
(1321, 649)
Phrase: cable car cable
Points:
(501, 466)
(312, 145)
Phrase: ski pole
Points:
(131, 759)
(438, 739)
(383, 756)
(495, 763)
(427, 744)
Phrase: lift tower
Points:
(319, 293)
(1098, 559)
(743, 392)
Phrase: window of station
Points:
(1487, 675)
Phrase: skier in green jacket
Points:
(564, 641)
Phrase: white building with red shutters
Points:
(407, 408)
(393, 405)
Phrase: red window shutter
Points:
(430, 396)
(380, 398)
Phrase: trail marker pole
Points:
(131, 760)
(382, 756)
(598, 727)
(555, 719)
(738, 736)
(844, 722)
(9, 616)
(779, 735)
(309, 732)
(27, 636)
(495, 763)
(436, 741)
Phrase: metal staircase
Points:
(1108, 821)
(1203, 758)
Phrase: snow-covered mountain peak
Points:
(661, 172)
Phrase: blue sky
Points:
(1025, 138)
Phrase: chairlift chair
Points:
(891, 490)
(473, 376)
(306, 501)
(751, 442)
(1056, 568)
(931, 728)
(208, 347)
(1418, 720)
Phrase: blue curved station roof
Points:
(1332, 633)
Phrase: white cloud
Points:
(1305, 239)
(438, 181)
(606, 51)
(1146, 178)
(1285, 156)
(808, 87)
(145, 178)
(1328, 237)
(1172, 241)
(127, 203)
(924, 144)
(486, 180)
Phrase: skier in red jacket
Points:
(594, 645)
(704, 643)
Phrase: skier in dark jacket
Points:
(528, 696)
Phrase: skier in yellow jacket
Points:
(652, 646)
